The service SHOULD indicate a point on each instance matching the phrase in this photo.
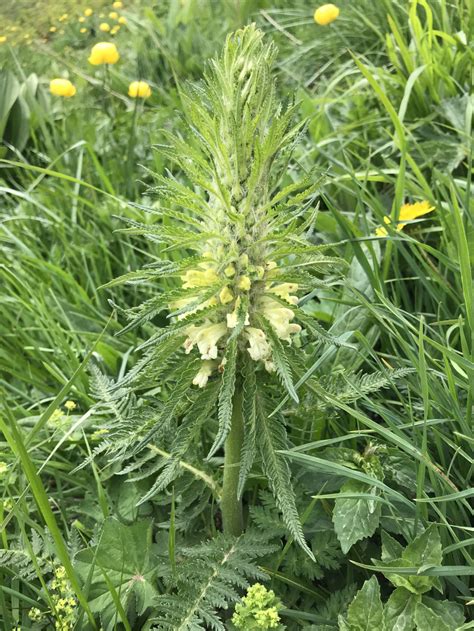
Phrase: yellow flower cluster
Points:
(64, 602)
(408, 212)
(235, 282)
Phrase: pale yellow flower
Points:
(70, 406)
(3, 39)
(206, 338)
(244, 283)
(279, 317)
(197, 278)
(117, 4)
(113, 15)
(226, 296)
(88, 12)
(205, 371)
(122, 20)
(104, 27)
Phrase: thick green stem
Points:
(231, 505)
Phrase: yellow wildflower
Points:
(115, 29)
(139, 90)
(83, 30)
(53, 29)
(64, 17)
(122, 20)
(326, 14)
(197, 278)
(104, 27)
(81, 19)
(70, 406)
(62, 87)
(3, 468)
(279, 317)
(88, 12)
(117, 4)
(104, 53)
(408, 212)
(229, 271)
(3, 39)
(113, 15)
(206, 337)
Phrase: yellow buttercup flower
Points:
(3, 39)
(104, 27)
(81, 19)
(408, 212)
(113, 15)
(326, 14)
(142, 90)
(62, 87)
(115, 29)
(88, 12)
(104, 53)
(64, 17)
(53, 29)
(83, 30)
(122, 20)
(117, 4)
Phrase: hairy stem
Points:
(231, 505)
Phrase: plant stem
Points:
(231, 505)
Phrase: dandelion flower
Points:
(62, 87)
(408, 212)
(104, 53)
(326, 14)
(104, 27)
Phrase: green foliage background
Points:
(381, 464)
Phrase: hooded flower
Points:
(279, 317)
(205, 371)
(259, 348)
(206, 338)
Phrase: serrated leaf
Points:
(399, 611)
(365, 613)
(354, 519)
(427, 620)
(451, 613)
(226, 394)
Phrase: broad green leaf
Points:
(124, 562)
(391, 548)
(355, 519)
(451, 613)
(399, 611)
(427, 620)
(365, 613)
(425, 549)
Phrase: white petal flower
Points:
(204, 373)
(259, 348)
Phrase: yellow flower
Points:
(64, 17)
(226, 296)
(104, 53)
(83, 30)
(408, 212)
(88, 12)
(122, 20)
(141, 90)
(81, 19)
(229, 271)
(70, 405)
(62, 87)
(104, 27)
(115, 29)
(192, 278)
(3, 468)
(279, 317)
(117, 4)
(244, 283)
(326, 14)
(53, 29)
(283, 291)
(3, 39)
(113, 15)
